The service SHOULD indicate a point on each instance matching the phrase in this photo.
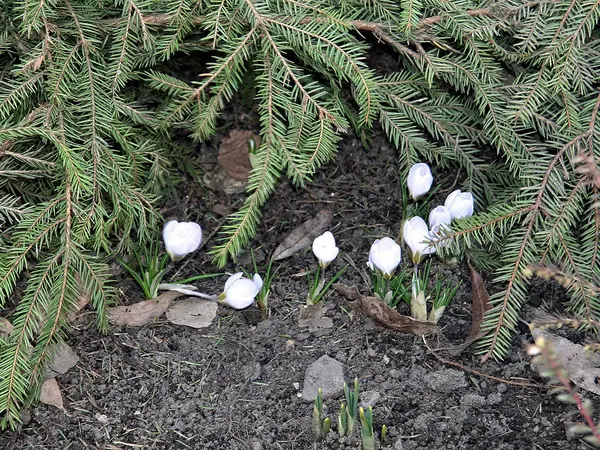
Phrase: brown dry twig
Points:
(482, 374)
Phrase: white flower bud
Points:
(385, 256)
(416, 236)
(439, 218)
(419, 180)
(181, 238)
(240, 291)
(459, 204)
(324, 248)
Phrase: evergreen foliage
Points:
(82, 159)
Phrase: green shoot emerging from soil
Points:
(321, 425)
(150, 270)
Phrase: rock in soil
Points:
(325, 373)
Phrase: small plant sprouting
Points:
(262, 299)
(366, 428)
(347, 418)
(350, 409)
(317, 287)
(444, 293)
(151, 269)
(321, 426)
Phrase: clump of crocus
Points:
(459, 204)
(384, 257)
(181, 238)
(326, 251)
(240, 292)
(419, 180)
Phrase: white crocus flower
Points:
(385, 256)
(416, 236)
(324, 248)
(439, 219)
(240, 291)
(459, 204)
(419, 180)
(181, 238)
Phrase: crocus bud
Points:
(459, 204)
(384, 256)
(240, 291)
(419, 180)
(439, 218)
(181, 238)
(416, 236)
(324, 248)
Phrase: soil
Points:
(236, 385)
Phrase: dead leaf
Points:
(50, 394)
(480, 305)
(5, 328)
(303, 235)
(64, 358)
(192, 312)
(582, 366)
(143, 312)
(313, 318)
(382, 314)
(233, 154)
(218, 180)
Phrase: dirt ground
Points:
(236, 384)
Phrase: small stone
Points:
(102, 418)
(394, 373)
(398, 445)
(325, 373)
(296, 386)
(371, 352)
(192, 313)
(386, 360)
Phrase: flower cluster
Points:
(416, 234)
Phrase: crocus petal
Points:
(232, 279)
(258, 282)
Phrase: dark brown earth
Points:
(235, 385)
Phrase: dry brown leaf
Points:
(481, 304)
(5, 327)
(192, 313)
(382, 314)
(313, 318)
(64, 358)
(142, 312)
(233, 154)
(303, 235)
(50, 394)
